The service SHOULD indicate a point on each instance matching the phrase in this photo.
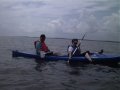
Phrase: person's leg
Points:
(88, 57)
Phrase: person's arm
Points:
(70, 55)
(38, 47)
(70, 49)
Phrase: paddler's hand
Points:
(69, 60)
(48, 50)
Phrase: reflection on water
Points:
(39, 65)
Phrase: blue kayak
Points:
(96, 58)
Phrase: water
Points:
(27, 74)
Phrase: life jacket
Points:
(35, 43)
(77, 52)
(43, 46)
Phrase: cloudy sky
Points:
(100, 19)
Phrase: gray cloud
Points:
(26, 3)
(60, 18)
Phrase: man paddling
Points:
(41, 47)
(74, 50)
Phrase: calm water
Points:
(27, 74)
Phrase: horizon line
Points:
(66, 38)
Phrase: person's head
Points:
(74, 41)
(42, 37)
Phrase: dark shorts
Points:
(83, 54)
(49, 54)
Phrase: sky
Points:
(99, 19)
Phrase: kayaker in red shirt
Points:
(41, 46)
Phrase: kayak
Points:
(96, 58)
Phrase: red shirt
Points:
(44, 47)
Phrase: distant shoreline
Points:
(66, 39)
(89, 40)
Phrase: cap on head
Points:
(74, 40)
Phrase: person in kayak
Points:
(74, 50)
(41, 47)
